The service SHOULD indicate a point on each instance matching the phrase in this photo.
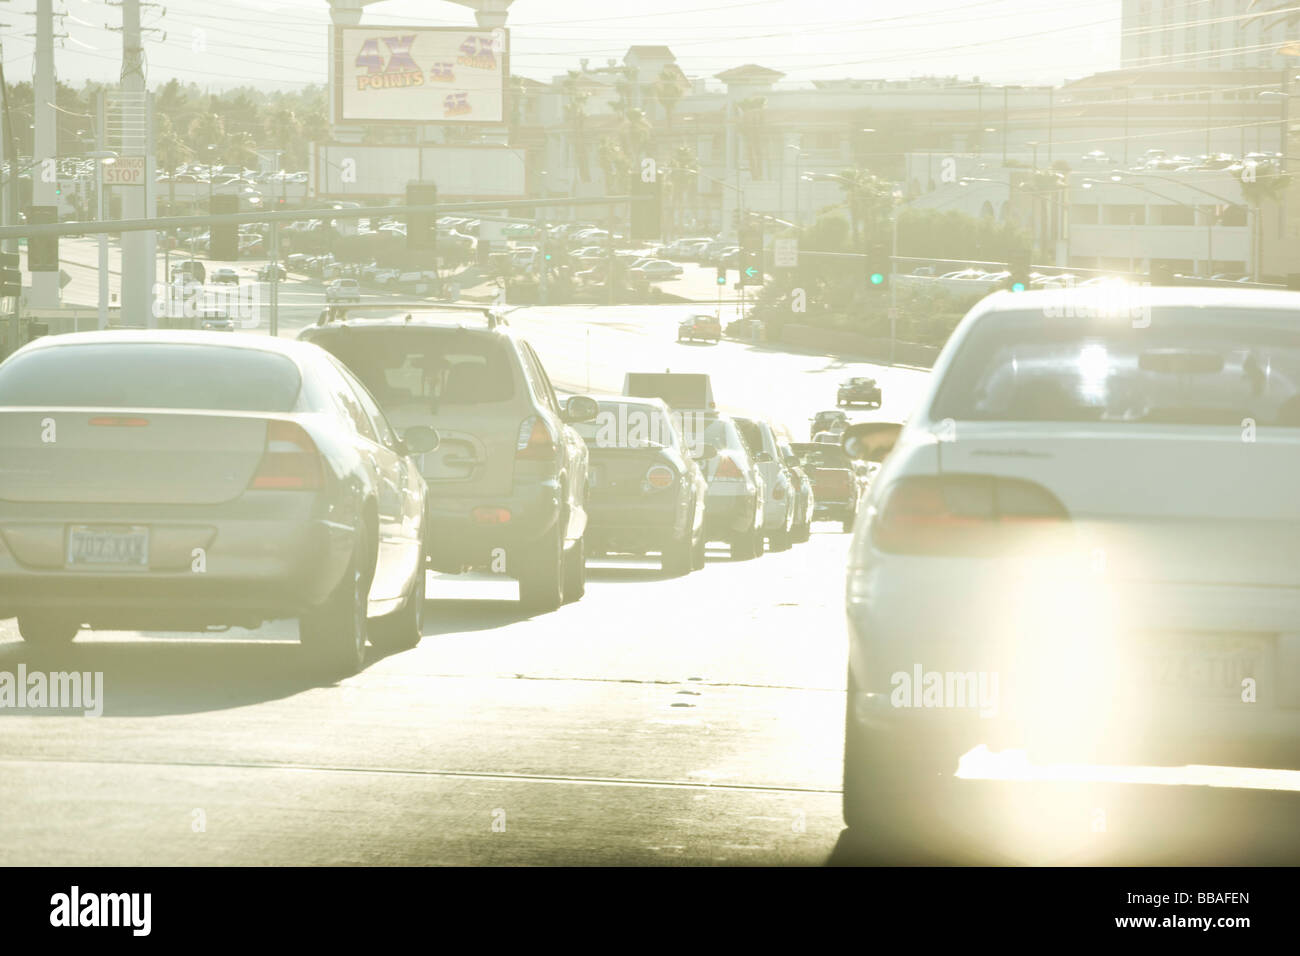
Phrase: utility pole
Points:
(609, 260)
(45, 285)
(133, 114)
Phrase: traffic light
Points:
(223, 241)
(42, 252)
(751, 254)
(722, 275)
(422, 227)
(879, 265)
(1018, 266)
(647, 209)
(11, 278)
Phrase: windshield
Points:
(1184, 366)
(822, 455)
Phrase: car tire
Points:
(541, 576)
(334, 634)
(699, 552)
(887, 777)
(575, 571)
(47, 630)
(743, 546)
(677, 558)
(846, 526)
(402, 631)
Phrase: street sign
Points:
(785, 253)
(126, 171)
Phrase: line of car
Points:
(177, 480)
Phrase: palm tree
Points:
(575, 115)
(208, 129)
(634, 132)
(1261, 183)
(282, 129)
(869, 200)
(681, 181)
(751, 129)
(669, 89)
(171, 151)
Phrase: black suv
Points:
(859, 391)
(508, 481)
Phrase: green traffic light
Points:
(877, 278)
(1017, 287)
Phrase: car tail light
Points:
(291, 460)
(536, 443)
(728, 470)
(659, 477)
(491, 515)
(967, 515)
(118, 421)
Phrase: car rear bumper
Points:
(728, 513)
(468, 532)
(204, 569)
(634, 525)
(1072, 669)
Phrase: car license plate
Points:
(108, 546)
(1203, 666)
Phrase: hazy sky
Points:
(283, 44)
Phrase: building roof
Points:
(750, 71)
(650, 52)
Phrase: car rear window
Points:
(425, 366)
(152, 375)
(625, 425)
(822, 455)
(1181, 366)
(752, 435)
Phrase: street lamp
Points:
(798, 157)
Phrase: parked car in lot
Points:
(779, 505)
(647, 490)
(201, 480)
(343, 290)
(695, 327)
(858, 391)
(838, 483)
(271, 271)
(656, 270)
(509, 478)
(1104, 463)
(733, 507)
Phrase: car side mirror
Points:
(580, 408)
(870, 441)
(420, 438)
(705, 452)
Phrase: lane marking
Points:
(460, 774)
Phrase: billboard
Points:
(387, 74)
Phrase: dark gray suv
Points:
(508, 482)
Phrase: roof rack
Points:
(337, 313)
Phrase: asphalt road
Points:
(658, 721)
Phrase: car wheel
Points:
(802, 532)
(541, 578)
(403, 630)
(42, 629)
(847, 524)
(743, 546)
(334, 634)
(887, 777)
(575, 571)
(699, 552)
(677, 557)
